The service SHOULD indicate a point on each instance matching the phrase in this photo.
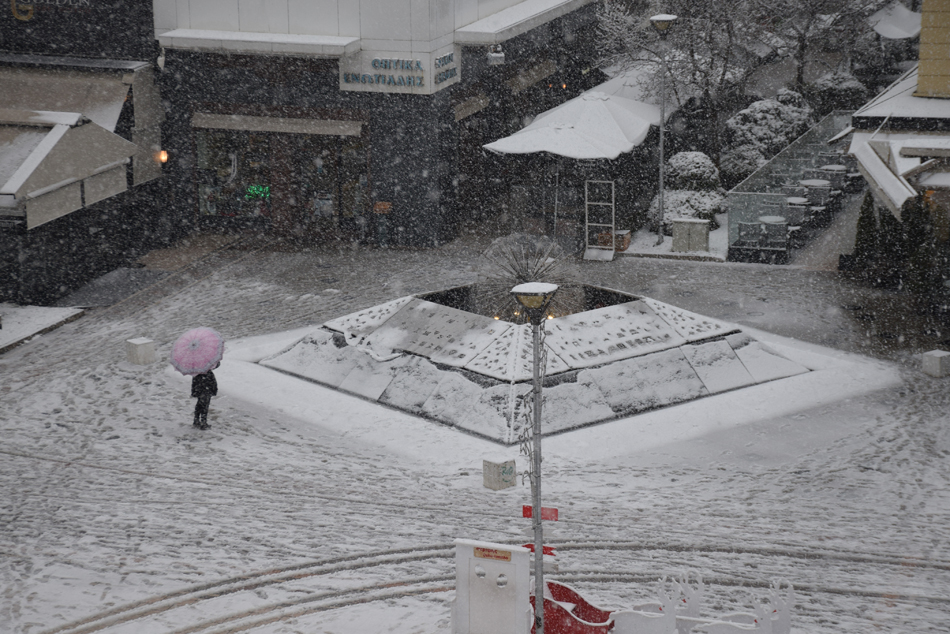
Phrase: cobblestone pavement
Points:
(111, 496)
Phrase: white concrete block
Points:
(140, 351)
(680, 236)
(498, 475)
(936, 363)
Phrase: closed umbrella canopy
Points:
(594, 125)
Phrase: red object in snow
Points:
(547, 513)
(547, 550)
(570, 613)
(583, 609)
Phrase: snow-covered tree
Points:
(761, 131)
(693, 190)
(838, 89)
(800, 27)
(866, 240)
(925, 263)
(875, 59)
(712, 49)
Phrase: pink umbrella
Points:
(197, 351)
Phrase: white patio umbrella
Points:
(594, 125)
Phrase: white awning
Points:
(97, 89)
(287, 125)
(248, 42)
(891, 188)
(896, 22)
(514, 21)
(841, 135)
(97, 95)
(927, 146)
(53, 163)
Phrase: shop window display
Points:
(303, 183)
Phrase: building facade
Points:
(360, 120)
(318, 120)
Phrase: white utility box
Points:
(936, 363)
(140, 351)
(498, 475)
(690, 235)
(492, 588)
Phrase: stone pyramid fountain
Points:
(619, 355)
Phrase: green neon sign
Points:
(255, 192)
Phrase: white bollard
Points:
(140, 351)
(936, 363)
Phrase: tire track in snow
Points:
(182, 607)
(253, 581)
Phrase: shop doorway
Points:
(307, 185)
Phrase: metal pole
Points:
(536, 489)
(557, 184)
(659, 220)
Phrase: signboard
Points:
(492, 553)
(401, 72)
(547, 513)
(545, 550)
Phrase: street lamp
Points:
(662, 23)
(535, 297)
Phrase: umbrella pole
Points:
(659, 220)
(557, 179)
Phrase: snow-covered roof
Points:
(884, 167)
(515, 20)
(898, 102)
(896, 22)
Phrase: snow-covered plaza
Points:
(304, 509)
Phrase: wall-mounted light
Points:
(162, 156)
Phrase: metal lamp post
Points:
(535, 297)
(662, 23)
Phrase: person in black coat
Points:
(203, 386)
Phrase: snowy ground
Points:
(111, 498)
(19, 323)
